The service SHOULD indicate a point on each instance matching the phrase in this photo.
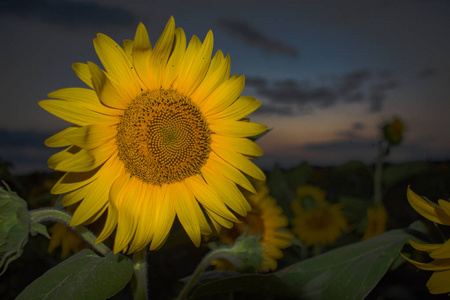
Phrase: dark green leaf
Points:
(215, 282)
(82, 276)
(349, 272)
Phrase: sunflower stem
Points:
(139, 280)
(204, 263)
(378, 176)
(56, 215)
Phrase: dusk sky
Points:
(328, 72)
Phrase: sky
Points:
(328, 72)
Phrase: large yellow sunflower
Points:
(440, 253)
(265, 218)
(161, 133)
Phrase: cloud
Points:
(427, 72)
(67, 13)
(253, 36)
(290, 97)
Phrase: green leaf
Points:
(84, 275)
(215, 282)
(36, 228)
(349, 272)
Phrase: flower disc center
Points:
(163, 137)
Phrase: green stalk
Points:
(56, 215)
(204, 263)
(139, 280)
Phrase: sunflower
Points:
(161, 133)
(318, 223)
(376, 221)
(440, 253)
(266, 219)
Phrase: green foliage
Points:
(82, 276)
(214, 282)
(14, 227)
(349, 272)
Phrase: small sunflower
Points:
(321, 224)
(161, 133)
(376, 221)
(266, 219)
(440, 253)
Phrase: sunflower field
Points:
(158, 195)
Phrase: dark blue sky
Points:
(328, 72)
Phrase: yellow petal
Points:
(188, 58)
(240, 145)
(218, 72)
(438, 282)
(142, 50)
(74, 180)
(73, 113)
(110, 223)
(208, 198)
(424, 247)
(164, 216)
(91, 136)
(242, 107)
(176, 59)
(57, 140)
(184, 204)
(146, 228)
(105, 89)
(233, 128)
(127, 46)
(128, 213)
(430, 211)
(238, 161)
(198, 67)
(160, 55)
(223, 96)
(82, 71)
(84, 98)
(141, 205)
(445, 205)
(72, 159)
(222, 167)
(227, 190)
(437, 265)
(98, 193)
(117, 64)
(74, 196)
(443, 251)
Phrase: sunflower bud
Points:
(246, 253)
(393, 132)
(14, 227)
